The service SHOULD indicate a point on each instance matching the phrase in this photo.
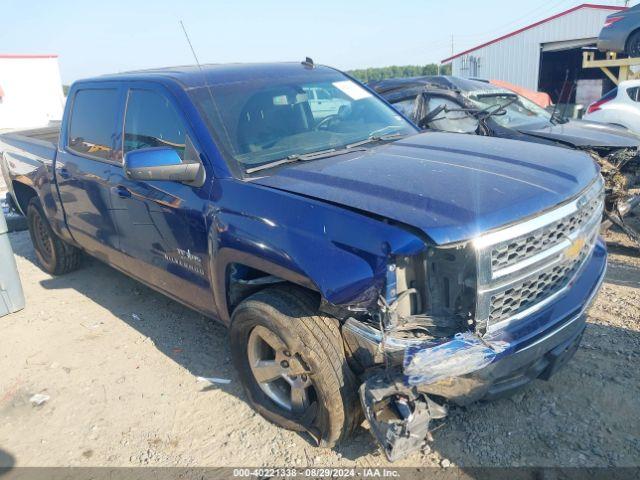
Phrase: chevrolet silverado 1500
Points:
(361, 266)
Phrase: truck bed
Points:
(47, 135)
(24, 151)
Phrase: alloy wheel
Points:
(282, 376)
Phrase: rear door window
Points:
(93, 123)
(152, 121)
(634, 93)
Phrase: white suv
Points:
(621, 106)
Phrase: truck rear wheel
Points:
(292, 365)
(54, 255)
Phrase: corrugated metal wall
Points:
(516, 59)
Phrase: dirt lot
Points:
(120, 365)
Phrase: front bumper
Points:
(539, 345)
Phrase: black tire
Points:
(633, 44)
(315, 342)
(54, 255)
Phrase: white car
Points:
(621, 106)
(324, 103)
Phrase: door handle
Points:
(64, 173)
(121, 191)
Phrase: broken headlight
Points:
(443, 284)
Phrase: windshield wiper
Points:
(376, 138)
(297, 157)
(498, 109)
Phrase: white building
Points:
(539, 55)
(30, 91)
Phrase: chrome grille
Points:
(523, 266)
(536, 288)
(510, 253)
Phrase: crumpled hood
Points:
(451, 186)
(579, 133)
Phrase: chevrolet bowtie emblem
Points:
(576, 247)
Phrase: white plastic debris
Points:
(39, 399)
(135, 317)
(463, 354)
(213, 380)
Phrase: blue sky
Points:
(94, 37)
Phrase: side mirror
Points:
(161, 163)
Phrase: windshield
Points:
(519, 113)
(262, 120)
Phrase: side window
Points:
(93, 122)
(634, 93)
(152, 121)
(407, 107)
(322, 94)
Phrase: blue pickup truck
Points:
(362, 267)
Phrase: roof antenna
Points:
(190, 45)
(204, 77)
(308, 63)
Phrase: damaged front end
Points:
(413, 341)
(400, 404)
(620, 169)
(466, 322)
(400, 416)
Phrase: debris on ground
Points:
(39, 399)
(223, 381)
(620, 169)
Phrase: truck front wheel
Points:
(54, 256)
(292, 365)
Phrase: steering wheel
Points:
(324, 123)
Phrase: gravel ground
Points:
(119, 364)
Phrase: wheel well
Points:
(23, 194)
(243, 281)
(626, 42)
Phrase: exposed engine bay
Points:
(407, 349)
(621, 171)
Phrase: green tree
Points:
(394, 71)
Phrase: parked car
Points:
(453, 104)
(323, 103)
(620, 107)
(359, 265)
(621, 32)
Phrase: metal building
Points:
(541, 55)
(30, 91)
